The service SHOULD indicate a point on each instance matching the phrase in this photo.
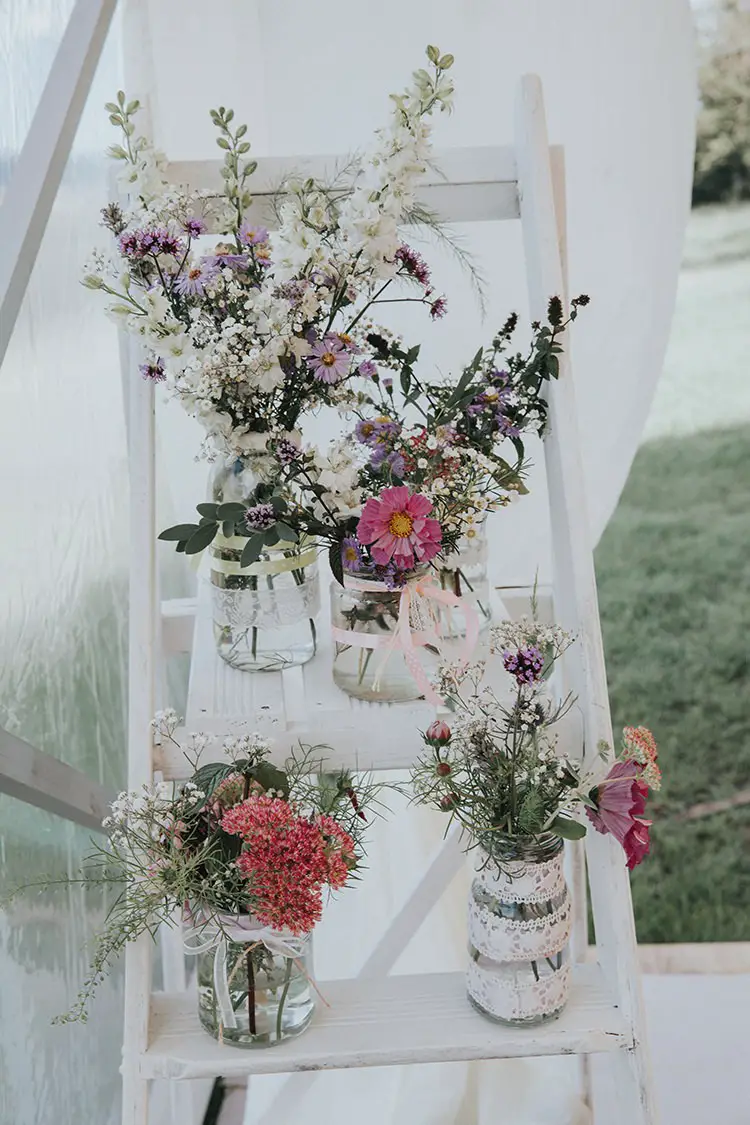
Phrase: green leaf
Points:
(252, 549)
(413, 355)
(222, 142)
(531, 814)
(230, 511)
(287, 532)
(568, 828)
(201, 538)
(271, 536)
(405, 380)
(446, 62)
(180, 548)
(209, 510)
(179, 531)
(227, 529)
(271, 778)
(212, 774)
(433, 53)
(335, 561)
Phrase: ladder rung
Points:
(424, 1018)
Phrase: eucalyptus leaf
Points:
(252, 549)
(568, 828)
(207, 510)
(201, 538)
(179, 531)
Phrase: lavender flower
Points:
(438, 308)
(367, 369)
(138, 244)
(286, 451)
(194, 227)
(525, 664)
(413, 264)
(260, 517)
(154, 371)
(505, 426)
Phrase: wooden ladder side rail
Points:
(142, 665)
(576, 601)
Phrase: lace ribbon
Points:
(204, 933)
(419, 603)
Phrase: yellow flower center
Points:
(400, 524)
(350, 554)
(328, 359)
(193, 273)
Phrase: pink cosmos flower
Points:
(395, 524)
(329, 360)
(621, 802)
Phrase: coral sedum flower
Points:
(397, 527)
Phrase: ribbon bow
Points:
(204, 932)
(416, 627)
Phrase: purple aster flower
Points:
(194, 227)
(253, 235)
(505, 426)
(366, 431)
(260, 517)
(234, 261)
(193, 281)
(329, 360)
(392, 577)
(438, 308)
(367, 369)
(154, 371)
(499, 379)
(388, 385)
(352, 558)
(525, 664)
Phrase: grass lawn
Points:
(674, 583)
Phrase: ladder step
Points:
(424, 1018)
(301, 705)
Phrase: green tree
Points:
(722, 157)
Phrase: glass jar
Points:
(263, 614)
(519, 927)
(464, 573)
(250, 996)
(366, 662)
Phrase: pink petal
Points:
(419, 505)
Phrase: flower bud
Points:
(438, 732)
(449, 802)
(442, 769)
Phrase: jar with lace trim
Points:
(519, 927)
(378, 655)
(464, 573)
(263, 614)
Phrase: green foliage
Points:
(722, 156)
(674, 574)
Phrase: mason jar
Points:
(250, 996)
(519, 926)
(464, 573)
(263, 614)
(369, 662)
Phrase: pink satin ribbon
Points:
(406, 640)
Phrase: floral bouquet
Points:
(498, 772)
(256, 330)
(244, 851)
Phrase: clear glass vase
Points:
(519, 928)
(366, 662)
(253, 997)
(263, 614)
(464, 573)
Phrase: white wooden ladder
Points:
(422, 1018)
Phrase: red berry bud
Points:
(442, 769)
(449, 802)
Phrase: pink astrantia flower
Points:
(329, 360)
(620, 805)
(396, 526)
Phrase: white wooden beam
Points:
(40, 166)
(45, 782)
(463, 185)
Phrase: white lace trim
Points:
(267, 609)
(516, 998)
(506, 939)
(521, 880)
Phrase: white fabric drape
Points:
(620, 92)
